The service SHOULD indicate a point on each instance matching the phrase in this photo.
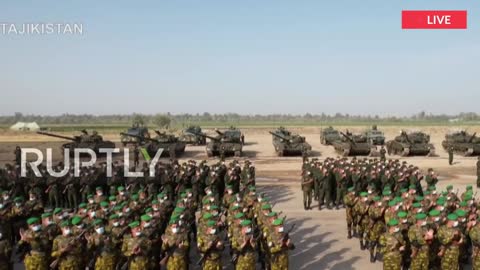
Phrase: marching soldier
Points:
(244, 247)
(450, 239)
(175, 246)
(66, 251)
(136, 248)
(383, 153)
(279, 243)
(393, 246)
(350, 200)
(450, 155)
(420, 237)
(210, 246)
(101, 247)
(39, 245)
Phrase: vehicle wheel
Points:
(172, 154)
(238, 153)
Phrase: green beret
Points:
(207, 216)
(149, 210)
(418, 198)
(469, 187)
(89, 196)
(266, 207)
(82, 205)
(386, 193)
(121, 188)
(57, 210)
(402, 214)
(114, 216)
(246, 222)
(363, 194)
(420, 216)
(376, 198)
(432, 188)
(134, 224)
(104, 204)
(252, 188)
(135, 197)
(449, 187)
(277, 222)
(452, 217)
(18, 199)
(64, 224)
(239, 215)
(47, 214)
(427, 192)
(412, 187)
(351, 189)
(117, 208)
(33, 220)
(434, 213)
(179, 209)
(460, 213)
(393, 222)
(272, 214)
(112, 198)
(235, 207)
(183, 195)
(211, 223)
(440, 202)
(155, 201)
(417, 205)
(214, 207)
(463, 204)
(392, 203)
(145, 218)
(76, 220)
(468, 197)
(98, 221)
(403, 190)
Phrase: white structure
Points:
(22, 126)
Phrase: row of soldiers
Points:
(327, 181)
(408, 226)
(127, 227)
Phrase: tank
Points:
(288, 143)
(139, 131)
(411, 144)
(463, 143)
(329, 135)
(229, 142)
(353, 145)
(374, 136)
(170, 144)
(189, 136)
(91, 141)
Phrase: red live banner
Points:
(434, 19)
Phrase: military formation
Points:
(141, 223)
(399, 220)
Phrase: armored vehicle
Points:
(228, 142)
(353, 145)
(189, 136)
(287, 143)
(170, 144)
(374, 136)
(411, 144)
(329, 135)
(139, 131)
(463, 143)
(90, 141)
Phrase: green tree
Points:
(162, 121)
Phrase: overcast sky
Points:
(244, 56)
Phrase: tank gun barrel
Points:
(473, 137)
(138, 137)
(348, 137)
(219, 132)
(278, 135)
(57, 136)
(206, 136)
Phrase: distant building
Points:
(23, 126)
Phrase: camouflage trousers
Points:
(106, 262)
(476, 259)
(373, 234)
(392, 261)
(70, 263)
(349, 215)
(279, 261)
(139, 263)
(421, 259)
(177, 262)
(450, 258)
(36, 262)
(212, 264)
(246, 261)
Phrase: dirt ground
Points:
(320, 236)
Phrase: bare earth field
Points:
(320, 236)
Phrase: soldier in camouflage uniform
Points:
(420, 237)
(307, 188)
(5, 249)
(376, 226)
(279, 244)
(210, 246)
(361, 212)
(136, 248)
(475, 238)
(245, 246)
(393, 245)
(102, 249)
(66, 250)
(450, 239)
(478, 173)
(39, 245)
(350, 200)
(175, 245)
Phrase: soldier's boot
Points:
(378, 256)
(349, 235)
(372, 251)
(355, 234)
(305, 205)
(362, 246)
(319, 206)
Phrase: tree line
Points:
(167, 119)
